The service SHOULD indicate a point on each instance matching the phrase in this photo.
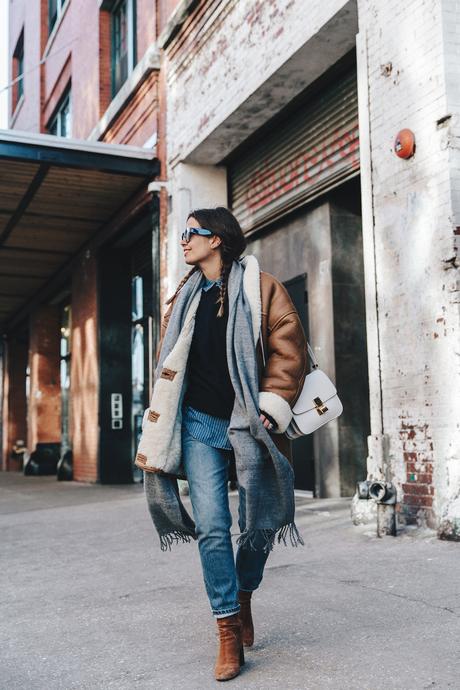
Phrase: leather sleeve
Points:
(286, 358)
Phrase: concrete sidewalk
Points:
(89, 600)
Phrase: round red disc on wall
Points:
(405, 143)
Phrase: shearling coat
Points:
(284, 344)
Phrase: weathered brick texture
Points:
(84, 374)
(411, 81)
(164, 10)
(78, 52)
(224, 52)
(105, 85)
(14, 412)
(26, 15)
(414, 213)
(44, 418)
(138, 121)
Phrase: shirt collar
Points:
(208, 284)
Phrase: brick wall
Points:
(207, 63)
(410, 81)
(207, 81)
(56, 94)
(105, 65)
(138, 120)
(84, 374)
(414, 244)
(164, 10)
(81, 39)
(27, 15)
(78, 37)
(44, 419)
(146, 25)
(79, 51)
(14, 413)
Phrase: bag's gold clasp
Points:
(320, 407)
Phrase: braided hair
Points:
(233, 242)
(224, 273)
(182, 282)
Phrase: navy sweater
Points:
(209, 386)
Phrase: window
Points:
(141, 336)
(66, 326)
(55, 8)
(61, 122)
(18, 70)
(123, 42)
(140, 327)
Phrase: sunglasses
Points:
(188, 232)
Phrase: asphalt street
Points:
(90, 602)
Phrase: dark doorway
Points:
(128, 313)
(115, 367)
(351, 362)
(302, 448)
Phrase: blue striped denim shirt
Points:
(205, 427)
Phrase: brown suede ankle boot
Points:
(230, 655)
(244, 599)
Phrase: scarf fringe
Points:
(166, 540)
(250, 539)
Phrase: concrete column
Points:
(45, 388)
(447, 474)
(192, 187)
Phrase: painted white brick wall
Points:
(418, 316)
(192, 187)
(412, 218)
(245, 43)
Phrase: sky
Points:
(3, 63)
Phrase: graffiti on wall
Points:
(270, 181)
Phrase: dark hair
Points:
(224, 224)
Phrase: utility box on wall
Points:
(117, 410)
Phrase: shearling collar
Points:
(251, 286)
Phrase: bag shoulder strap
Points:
(313, 359)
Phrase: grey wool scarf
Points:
(262, 470)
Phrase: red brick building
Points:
(80, 240)
(289, 117)
(100, 73)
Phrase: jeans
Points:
(207, 474)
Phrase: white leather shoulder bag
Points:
(317, 404)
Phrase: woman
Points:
(223, 395)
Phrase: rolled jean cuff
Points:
(223, 613)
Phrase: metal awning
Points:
(55, 194)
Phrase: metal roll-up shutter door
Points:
(311, 152)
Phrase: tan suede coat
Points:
(284, 343)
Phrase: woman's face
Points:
(199, 248)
